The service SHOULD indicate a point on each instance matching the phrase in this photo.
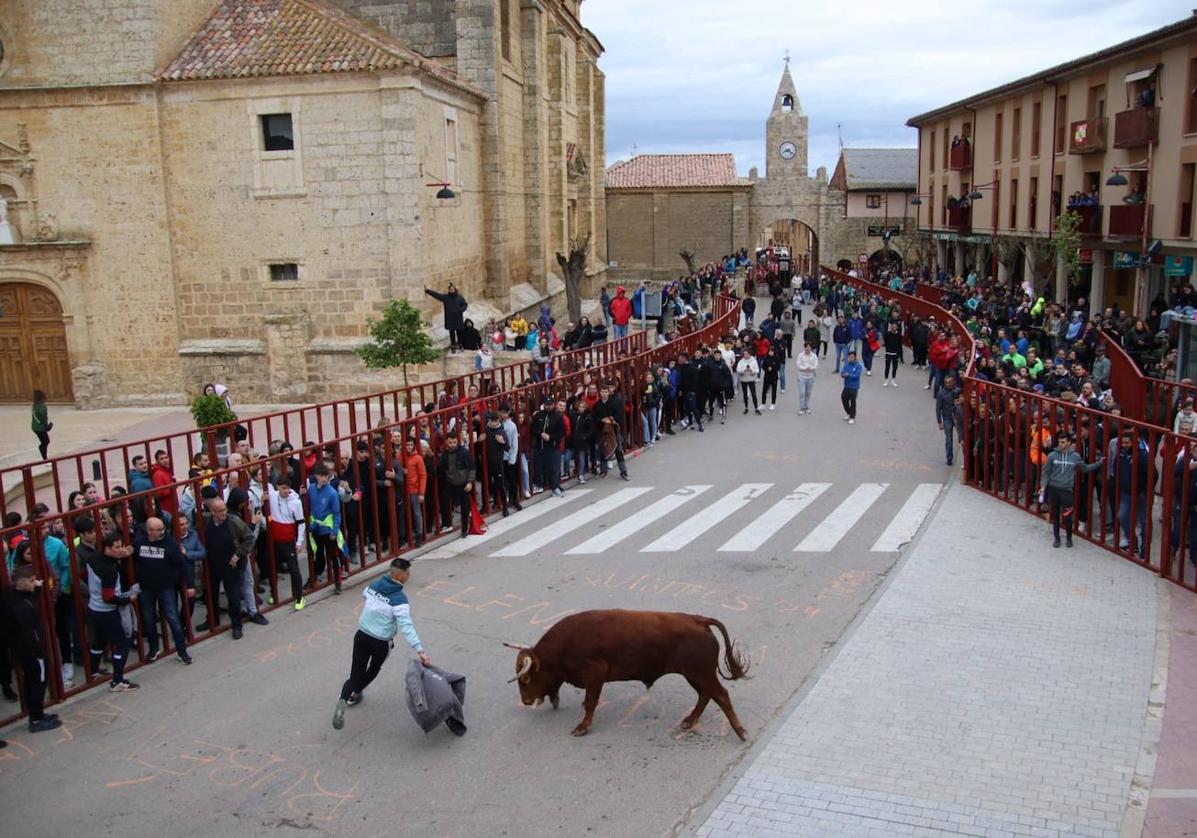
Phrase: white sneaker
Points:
(773, 407)
(926, 386)
(894, 383)
(868, 372)
(884, 383)
(851, 421)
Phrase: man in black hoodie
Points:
(689, 381)
(495, 448)
(161, 569)
(608, 412)
(548, 429)
(25, 634)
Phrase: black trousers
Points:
(769, 386)
(497, 480)
(222, 574)
(511, 476)
(369, 653)
(327, 555)
(454, 338)
(891, 366)
(691, 413)
(285, 559)
(848, 400)
(455, 496)
(108, 630)
(1062, 506)
(788, 340)
(747, 387)
(43, 443)
(33, 670)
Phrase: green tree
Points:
(399, 339)
(1066, 243)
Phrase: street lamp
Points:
(1118, 178)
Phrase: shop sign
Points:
(1178, 265)
(1123, 259)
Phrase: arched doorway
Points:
(883, 261)
(33, 345)
(797, 238)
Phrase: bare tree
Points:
(1041, 259)
(573, 271)
(1009, 253)
(687, 255)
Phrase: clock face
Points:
(787, 150)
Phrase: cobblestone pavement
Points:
(998, 688)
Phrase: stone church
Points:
(199, 190)
(658, 205)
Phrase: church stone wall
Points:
(427, 27)
(96, 172)
(64, 42)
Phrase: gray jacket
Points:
(1059, 472)
(435, 696)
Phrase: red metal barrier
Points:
(377, 507)
(108, 467)
(1127, 382)
(1141, 505)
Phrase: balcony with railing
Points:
(1127, 220)
(1087, 136)
(1136, 128)
(1090, 219)
(960, 219)
(960, 157)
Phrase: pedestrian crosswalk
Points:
(808, 518)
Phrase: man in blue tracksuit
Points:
(385, 612)
(324, 524)
(857, 328)
(841, 336)
(850, 372)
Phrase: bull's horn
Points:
(524, 669)
(517, 647)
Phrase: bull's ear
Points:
(516, 646)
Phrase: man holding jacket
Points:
(608, 412)
(161, 569)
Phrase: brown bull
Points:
(593, 647)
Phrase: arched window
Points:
(787, 102)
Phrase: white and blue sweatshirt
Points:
(386, 612)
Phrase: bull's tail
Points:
(736, 663)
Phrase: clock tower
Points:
(786, 133)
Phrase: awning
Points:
(1141, 75)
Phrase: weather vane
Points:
(787, 58)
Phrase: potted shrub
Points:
(210, 411)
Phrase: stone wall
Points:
(427, 26)
(116, 292)
(647, 230)
(64, 42)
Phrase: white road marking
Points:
(909, 518)
(687, 531)
(753, 536)
(637, 521)
(569, 523)
(502, 526)
(835, 526)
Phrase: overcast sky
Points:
(700, 75)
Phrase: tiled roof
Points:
(662, 171)
(255, 38)
(881, 168)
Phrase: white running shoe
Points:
(773, 406)
(851, 421)
(895, 382)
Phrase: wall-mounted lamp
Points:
(445, 193)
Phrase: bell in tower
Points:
(786, 132)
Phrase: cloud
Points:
(701, 75)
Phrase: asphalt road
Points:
(241, 742)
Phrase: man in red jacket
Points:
(621, 313)
(162, 476)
